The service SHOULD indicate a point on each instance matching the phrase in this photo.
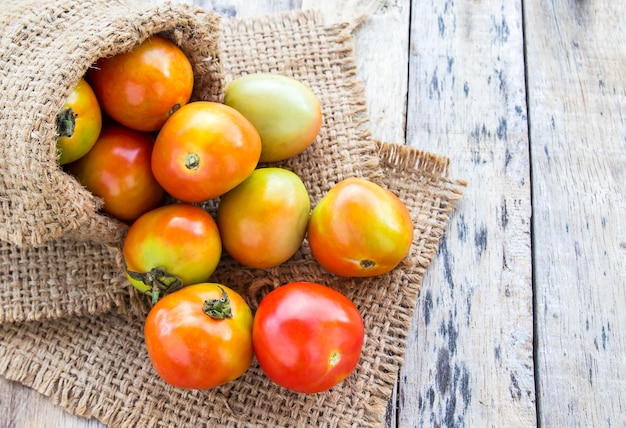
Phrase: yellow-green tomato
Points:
(263, 220)
(284, 110)
(79, 123)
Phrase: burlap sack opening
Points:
(44, 50)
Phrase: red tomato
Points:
(360, 229)
(117, 169)
(307, 337)
(142, 88)
(200, 336)
(78, 123)
(263, 220)
(178, 242)
(204, 150)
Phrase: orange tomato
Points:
(117, 169)
(263, 220)
(360, 229)
(204, 150)
(172, 242)
(143, 87)
(78, 123)
(200, 336)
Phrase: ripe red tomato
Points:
(204, 150)
(78, 123)
(178, 242)
(285, 111)
(360, 229)
(199, 337)
(263, 220)
(143, 87)
(117, 169)
(307, 337)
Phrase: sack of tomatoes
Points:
(45, 58)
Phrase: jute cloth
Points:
(72, 327)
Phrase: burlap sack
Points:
(96, 365)
(45, 48)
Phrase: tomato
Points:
(79, 123)
(174, 244)
(307, 337)
(204, 150)
(285, 111)
(360, 229)
(117, 169)
(263, 220)
(143, 87)
(199, 337)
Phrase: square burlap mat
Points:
(72, 328)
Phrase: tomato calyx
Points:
(192, 161)
(218, 309)
(66, 122)
(367, 264)
(159, 281)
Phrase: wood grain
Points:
(470, 361)
(577, 105)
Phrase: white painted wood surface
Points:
(577, 105)
(471, 360)
(529, 286)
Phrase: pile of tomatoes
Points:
(130, 134)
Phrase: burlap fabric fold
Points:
(90, 357)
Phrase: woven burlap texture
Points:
(90, 358)
(45, 48)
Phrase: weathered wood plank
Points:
(577, 110)
(470, 362)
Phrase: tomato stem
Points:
(367, 264)
(66, 122)
(159, 281)
(192, 161)
(218, 309)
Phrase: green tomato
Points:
(285, 112)
(263, 221)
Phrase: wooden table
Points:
(520, 320)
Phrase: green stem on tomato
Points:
(66, 122)
(159, 281)
(218, 309)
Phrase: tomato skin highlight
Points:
(359, 229)
(191, 350)
(78, 133)
(181, 239)
(307, 337)
(263, 220)
(141, 88)
(117, 169)
(204, 150)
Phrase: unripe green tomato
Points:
(263, 220)
(285, 112)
